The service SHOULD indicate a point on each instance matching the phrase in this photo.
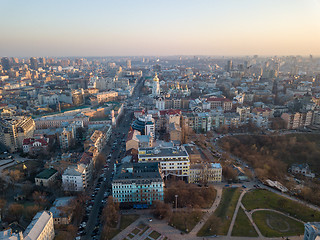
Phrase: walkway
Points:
(208, 214)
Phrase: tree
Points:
(110, 214)
(40, 198)
(162, 210)
(15, 211)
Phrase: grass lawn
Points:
(185, 221)
(265, 199)
(219, 221)
(154, 234)
(242, 226)
(273, 224)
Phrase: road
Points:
(119, 134)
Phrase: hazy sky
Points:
(163, 27)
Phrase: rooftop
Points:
(47, 173)
(37, 225)
(178, 151)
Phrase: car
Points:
(244, 186)
(150, 219)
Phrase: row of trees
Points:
(110, 217)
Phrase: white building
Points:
(160, 103)
(156, 86)
(174, 161)
(41, 227)
(75, 178)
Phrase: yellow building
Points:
(205, 173)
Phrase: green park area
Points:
(242, 226)
(125, 221)
(272, 224)
(219, 221)
(263, 199)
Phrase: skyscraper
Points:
(229, 66)
(129, 63)
(5, 63)
(42, 61)
(33, 63)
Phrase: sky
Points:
(159, 28)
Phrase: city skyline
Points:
(143, 28)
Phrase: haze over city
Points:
(127, 28)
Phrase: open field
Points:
(265, 199)
(272, 224)
(219, 221)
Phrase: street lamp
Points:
(176, 201)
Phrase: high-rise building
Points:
(229, 66)
(129, 63)
(33, 63)
(42, 61)
(14, 129)
(5, 62)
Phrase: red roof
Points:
(30, 141)
(170, 112)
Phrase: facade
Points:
(311, 230)
(298, 119)
(58, 216)
(13, 130)
(107, 96)
(205, 173)
(65, 139)
(96, 140)
(46, 177)
(75, 178)
(222, 103)
(137, 183)
(145, 125)
(41, 227)
(174, 161)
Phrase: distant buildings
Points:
(41, 227)
(298, 119)
(138, 183)
(311, 231)
(13, 130)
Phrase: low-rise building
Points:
(138, 183)
(302, 169)
(41, 227)
(205, 173)
(75, 178)
(32, 145)
(46, 177)
(60, 216)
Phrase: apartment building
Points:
(41, 227)
(174, 161)
(75, 178)
(137, 183)
(13, 130)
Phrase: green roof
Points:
(47, 173)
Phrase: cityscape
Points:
(165, 123)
